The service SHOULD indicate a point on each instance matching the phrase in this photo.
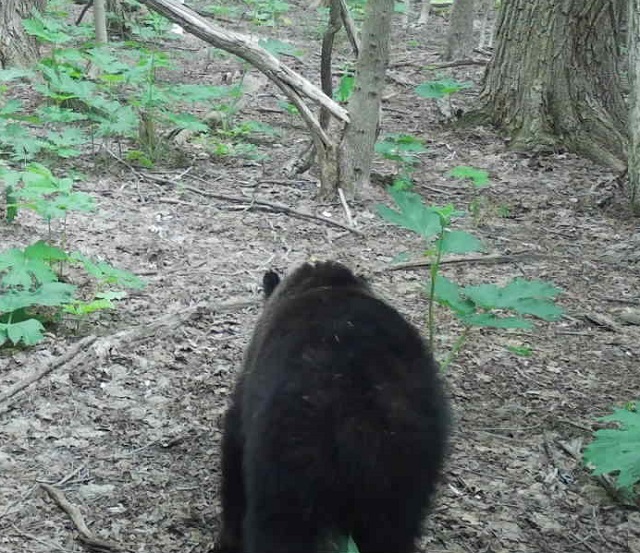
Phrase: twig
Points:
(50, 366)
(261, 205)
(345, 205)
(86, 536)
(457, 63)
(483, 259)
(81, 353)
(47, 544)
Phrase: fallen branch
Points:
(86, 536)
(480, 259)
(257, 204)
(457, 63)
(87, 349)
(49, 367)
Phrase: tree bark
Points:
(634, 104)
(460, 41)
(554, 79)
(100, 21)
(16, 47)
(356, 150)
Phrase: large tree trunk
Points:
(356, 150)
(555, 80)
(634, 103)
(460, 40)
(16, 47)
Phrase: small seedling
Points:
(29, 283)
(478, 177)
(521, 351)
(485, 305)
(617, 450)
(441, 88)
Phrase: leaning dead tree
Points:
(343, 152)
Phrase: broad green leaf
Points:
(479, 177)
(186, 121)
(10, 108)
(8, 75)
(345, 88)
(459, 241)
(108, 274)
(28, 332)
(447, 293)
(48, 294)
(543, 309)
(83, 308)
(486, 296)
(617, 450)
(46, 30)
(23, 271)
(412, 214)
(45, 252)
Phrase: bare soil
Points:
(129, 428)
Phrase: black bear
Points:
(337, 426)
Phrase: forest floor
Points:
(129, 428)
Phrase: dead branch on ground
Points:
(87, 349)
(87, 537)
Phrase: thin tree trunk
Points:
(634, 103)
(356, 149)
(554, 79)
(16, 47)
(460, 41)
(100, 21)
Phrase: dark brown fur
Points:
(338, 423)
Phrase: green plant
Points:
(440, 88)
(485, 305)
(31, 292)
(617, 450)
(37, 189)
(478, 177)
(114, 91)
(403, 149)
(345, 88)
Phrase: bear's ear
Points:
(270, 281)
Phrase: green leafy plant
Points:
(345, 88)
(114, 90)
(617, 450)
(478, 177)
(485, 305)
(404, 150)
(37, 189)
(441, 88)
(31, 292)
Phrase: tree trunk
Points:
(100, 21)
(356, 150)
(460, 36)
(554, 78)
(16, 47)
(634, 104)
